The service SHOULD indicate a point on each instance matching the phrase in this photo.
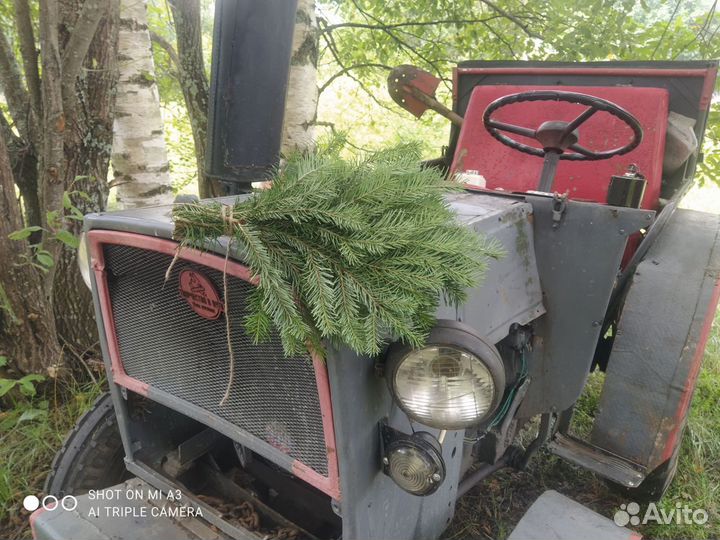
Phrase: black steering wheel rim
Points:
(581, 154)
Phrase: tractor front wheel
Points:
(92, 456)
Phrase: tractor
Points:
(577, 169)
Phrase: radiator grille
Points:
(165, 344)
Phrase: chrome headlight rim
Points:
(463, 338)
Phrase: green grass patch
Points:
(32, 429)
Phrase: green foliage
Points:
(350, 251)
(37, 256)
(180, 147)
(436, 35)
(32, 429)
(362, 36)
(67, 238)
(25, 233)
(25, 384)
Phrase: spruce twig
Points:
(349, 251)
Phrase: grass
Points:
(28, 444)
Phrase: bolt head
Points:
(386, 461)
(436, 477)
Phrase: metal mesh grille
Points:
(165, 344)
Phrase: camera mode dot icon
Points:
(31, 503)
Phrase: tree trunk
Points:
(51, 166)
(302, 95)
(139, 155)
(61, 147)
(87, 155)
(27, 332)
(25, 110)
(193, 81)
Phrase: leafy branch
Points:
(37, 256)
(347, 251)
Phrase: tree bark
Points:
(63, 150)
(87, 156)
(193, 81)
(23, 160)
(302, 95)
(52, 157)
(22, 148)
(16, 96)
(139, 157)
(26, 35)
(27, 330)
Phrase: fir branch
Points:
(350, 252)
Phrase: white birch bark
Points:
(302, 95)
(139, 154)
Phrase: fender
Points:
(660, 343)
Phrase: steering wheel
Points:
(557, 136)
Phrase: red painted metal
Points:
(708, 88)
(510, 170)
(329, 484)
(401, 80)
(679, 420)
(97, 261)
(33, 518)
(200, 294)
(595, 71)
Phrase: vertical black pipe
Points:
(252, 45)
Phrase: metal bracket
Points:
(558, 208)
(598, 460)
(179, 460)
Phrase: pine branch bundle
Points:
(348, 251)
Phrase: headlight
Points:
(415, 463)
(83, 260)
(456, 381)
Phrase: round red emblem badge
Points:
(200, 294)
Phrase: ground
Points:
(32, 431)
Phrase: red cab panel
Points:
(510, 170)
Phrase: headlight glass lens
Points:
(83, 260)
(444, 387)
(414, 470)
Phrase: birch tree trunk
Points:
(302, 95)
(139, 156)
